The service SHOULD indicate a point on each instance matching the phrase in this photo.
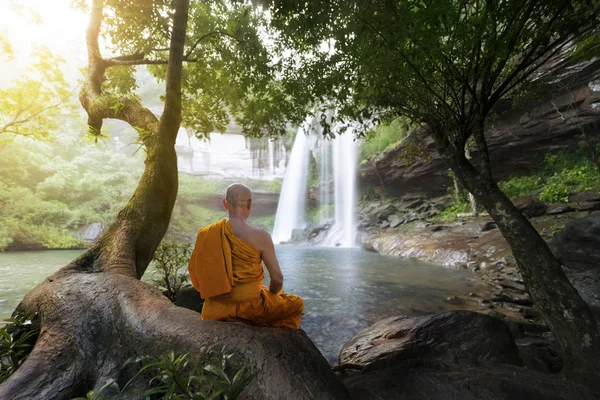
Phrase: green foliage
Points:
(169, 260)
(176, 377)
(559, 176)
(49, 190)
(521, 185)
(17, 339)
(450, 213)
(31, 106)
(383, 137)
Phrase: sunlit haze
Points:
(31, 23)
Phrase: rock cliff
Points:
(562, 109)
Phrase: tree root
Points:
(92, 323)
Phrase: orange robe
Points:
(228, 273)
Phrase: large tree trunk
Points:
(92, 323)
(568, 316)
(95, 313)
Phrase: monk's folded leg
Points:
(282, 309)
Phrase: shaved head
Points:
(238, 195)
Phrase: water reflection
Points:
(346, 290)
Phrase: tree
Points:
(95, 313)
(445, 64)
(32, 105)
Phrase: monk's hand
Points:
(276, 285)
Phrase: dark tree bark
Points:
(95, 313)
(568, 316)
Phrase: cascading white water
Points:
(292, 199)
(324, 189)
(337, 159)
(343, 231)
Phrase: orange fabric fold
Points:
(228, 273)
(210, 264)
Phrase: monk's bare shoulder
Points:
(263, 236)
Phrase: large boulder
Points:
(459, 337)
(430, 379)
(577, 246)
(456, 355)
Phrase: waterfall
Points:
(324, 187)
(292, 199)
(337, 164)
(344, 154)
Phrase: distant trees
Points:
(444, 64)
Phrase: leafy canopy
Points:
(229, 70)
(442, 63)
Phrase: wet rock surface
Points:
(455, 355)
(458, 337)
(432, 379)
(577, 246)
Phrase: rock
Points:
(465, 215)
(395, 220)
(540, 355)
(588, 201)
(530, 313)
(488, 226)
(188, 297)
(416, 204)
(454, 300)
(577, 246)
(461, 337)
(320, 237)
(530, 207)
(554, 209)
(299, 235)
(381, 213)
(431, 379)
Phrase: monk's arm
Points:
(270, 259)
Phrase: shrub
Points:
(559, 176)
(384, 136)
(521, 186)
(172, 376)
(170, 267)
(17, 339)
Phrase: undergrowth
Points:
(17, 339)
(559, 176)
(176, 377)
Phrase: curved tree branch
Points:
(208, 35)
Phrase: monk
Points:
(226, 268)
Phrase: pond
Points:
(344, 290)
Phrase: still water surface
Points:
(344, 290)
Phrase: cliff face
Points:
(564, 108)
